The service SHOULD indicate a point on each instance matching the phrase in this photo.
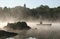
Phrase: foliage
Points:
(18, 25)
(20, 13)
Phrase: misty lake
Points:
(39, 32)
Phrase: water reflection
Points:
(40, 32)
(5, 34)
(10, 38)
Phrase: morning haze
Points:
(29, 19)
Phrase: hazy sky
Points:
(29, 3)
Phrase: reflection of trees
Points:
(5, 34)
(22, 34)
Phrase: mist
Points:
(23, 14)
(39, 32)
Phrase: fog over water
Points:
(12, 15)
(40, 32)
(36, 32)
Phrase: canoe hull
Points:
(44, 24)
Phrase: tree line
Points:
(45, 12)
(19, 13)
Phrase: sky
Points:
(29, 3)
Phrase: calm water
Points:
(39, 32)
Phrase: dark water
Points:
(39, 32)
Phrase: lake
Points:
(39, 32)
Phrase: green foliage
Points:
(46, 12)
(18, 25)
(25, 13)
